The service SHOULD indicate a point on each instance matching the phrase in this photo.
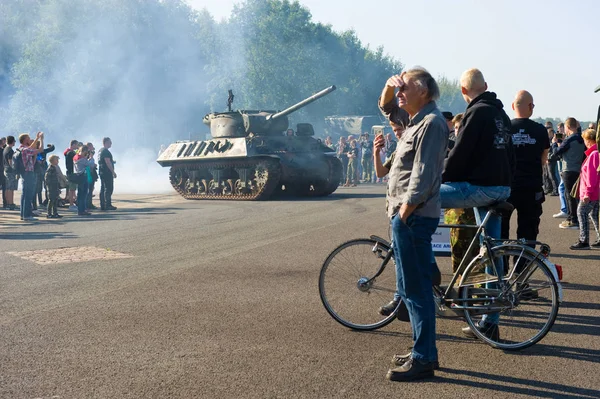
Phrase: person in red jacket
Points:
(589, 192)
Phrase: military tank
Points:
(251, 157)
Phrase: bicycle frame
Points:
(487, 247)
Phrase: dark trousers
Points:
(90, 194)
(528, 204)
(3, 188)
(82, 190)
(53, 197)
(106, 190)
(569, 179)
(553, 175)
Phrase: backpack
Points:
(18, 162)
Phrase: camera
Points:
(559, 136)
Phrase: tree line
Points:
(144, 69)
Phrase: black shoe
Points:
(92, 207)
(411, 370)
(596, 244)
(580, 245)
(83, 213)
(388, 309)
(400, 360)
(57, 216)
(111, 208)
(50, 216)
(489, 330)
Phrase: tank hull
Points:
(251, 168)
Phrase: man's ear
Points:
(463, 90)
(512, 106)
(485, 86)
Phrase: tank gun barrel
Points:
(303, 103)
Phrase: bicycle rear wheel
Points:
(344, 285)
(527, 310)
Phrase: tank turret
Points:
(259, 122)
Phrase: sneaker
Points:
(560, 214)
(72, 208)
(93, 207)
(49, 216)
(57, 216)
(568, 225)
(400, 360)
(596, 244)
(580, 245)
(29, 218)
(389, 308)
(488, 329)
(411, 370)
(111, 208)
(13, 207)
(35, 212)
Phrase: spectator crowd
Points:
(43, 180)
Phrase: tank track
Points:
(245, 179)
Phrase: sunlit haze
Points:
(548, 48)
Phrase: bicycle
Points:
(354, 282)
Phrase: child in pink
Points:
(589, 192)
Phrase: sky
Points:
(549, 47)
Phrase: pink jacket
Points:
(589, 180)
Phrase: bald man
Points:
(531, 145)
(480, 167)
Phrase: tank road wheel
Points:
(214, 188)
(228, 187)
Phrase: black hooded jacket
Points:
(483, 153)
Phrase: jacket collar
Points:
(591, 149)
(426, 110)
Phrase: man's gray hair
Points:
(423, 79)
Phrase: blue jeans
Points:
(412, 253)
(465, 195)
(82, 191)
(27, 195)
(561, 195)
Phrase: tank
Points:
(251, 156)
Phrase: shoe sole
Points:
(401, 377)
(436, 365)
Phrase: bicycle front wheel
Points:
(346, 289)
(526, 300)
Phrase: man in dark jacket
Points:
(572, 153)
(480, 167)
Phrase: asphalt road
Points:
(185, 299)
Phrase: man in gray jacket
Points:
(413, 205)
(572, 153)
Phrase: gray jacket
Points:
(572, 153)
(416, 171)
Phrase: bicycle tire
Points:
(535, 295)
(350, 304)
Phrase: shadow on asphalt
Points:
(35, 236)
(332, 197)
(587, 255)
(533, 388)
(580, 287)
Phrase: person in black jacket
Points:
(479, 169)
